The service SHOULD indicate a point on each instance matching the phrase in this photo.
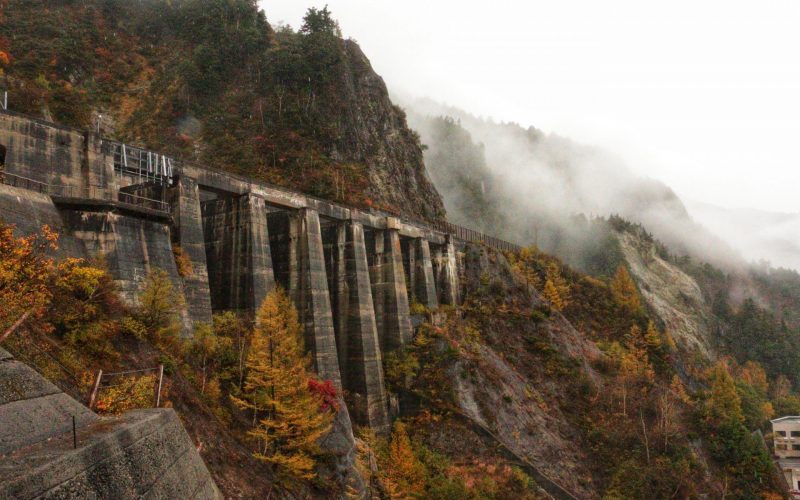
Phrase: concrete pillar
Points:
(238, 253)
(424, 285)
(258, 264)
(308, 286)
(334, 238)
(188, 234)
(361, 360)
(389, 291)
(446, 270)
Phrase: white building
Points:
(786, 436)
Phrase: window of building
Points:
(781, 433)
(780, 447)
(796, 446)
(795, 433)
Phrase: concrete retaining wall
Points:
(145, 454)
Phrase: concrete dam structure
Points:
(353, 275)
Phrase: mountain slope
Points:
(211, 81)
(538, 182)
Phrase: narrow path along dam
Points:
(353, 275)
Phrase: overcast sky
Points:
(703, 95)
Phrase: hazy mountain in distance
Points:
(538, 181)
(757, 234)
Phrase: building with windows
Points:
(786, 436)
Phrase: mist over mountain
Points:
(536, 182)
(759, 235)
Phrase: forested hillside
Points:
(212, 81)
(599, 360)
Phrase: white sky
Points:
(703, 95)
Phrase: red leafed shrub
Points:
(326, 392)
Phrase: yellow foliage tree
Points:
(405, 474)
(159, 309)
(288, 418)
(624, 290)
(723, 405)
(554, 276)
(523, 262)
(551, 294)
(652, 338)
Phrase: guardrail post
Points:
(96, 388)
(160, 380)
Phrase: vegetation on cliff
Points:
(213, 82)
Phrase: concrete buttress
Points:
(188, 235)
(308, 286)
(238, 252)
(424, 285)
(363, 375)
(446, 270)
(389, 291)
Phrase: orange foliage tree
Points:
(25, 269)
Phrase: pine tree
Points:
(288, 419)
(552, 296)
(624, 290)
(405, 477)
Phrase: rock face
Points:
(672, 294)
(144, 454)
(375, 133)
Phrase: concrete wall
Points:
(389, 291)
(29, 211)
(131, 248)
(237, 253)
(352, 274)
(144, 454)
(52, 154)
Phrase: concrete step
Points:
(32, 408)
(145, 454)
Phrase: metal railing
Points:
(98, 193)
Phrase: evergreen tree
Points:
(288, 419)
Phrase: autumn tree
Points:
(552, 296)
(84, 306)
(624, 290)
(288, 418)
(523, 263)
(25, 269)
(745, 461)
(554, 276)
(229, 326)
(405, 474)
(159, 309)
(207, 349)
